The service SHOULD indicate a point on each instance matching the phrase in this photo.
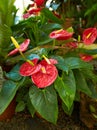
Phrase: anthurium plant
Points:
(49, 64)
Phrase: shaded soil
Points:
(23, 121)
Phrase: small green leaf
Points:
(45, 102)
(20, 106)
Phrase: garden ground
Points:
(23, 121)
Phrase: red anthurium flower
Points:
(89, 35)
(23, 47)
(28, 69)
(86, 58)
(39, 2)
(60, 34)
(45, 76)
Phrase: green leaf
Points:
(81, 83)
(1, 78)
(68, 112)
(30, 107)
(70, 29)
(66, 89)
(93, 89)
(45, 102)
(20, 106)
(49, 15)
(90, 51)
(50, 26)
(75, 63)
(7, 94)
(5, 33)
(89, 74)
(45, 41)
(14, 73)
(61, 63)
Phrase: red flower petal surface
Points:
(89, 35)
(52, 61)
(23, 47)
(27, 69)
(43, 79)
(39, 2)
(86, 58)
(60, 35)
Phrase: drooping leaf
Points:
(66, 88)
(81, 83)
(45, 102)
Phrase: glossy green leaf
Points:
(81, 83)
(14, 73)
(45, 102)
(66, 88)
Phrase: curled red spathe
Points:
(89, 35)
(60, 34)
(44, 79)
(23, 47)
(43, 74)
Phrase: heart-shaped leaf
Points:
(45, 102)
